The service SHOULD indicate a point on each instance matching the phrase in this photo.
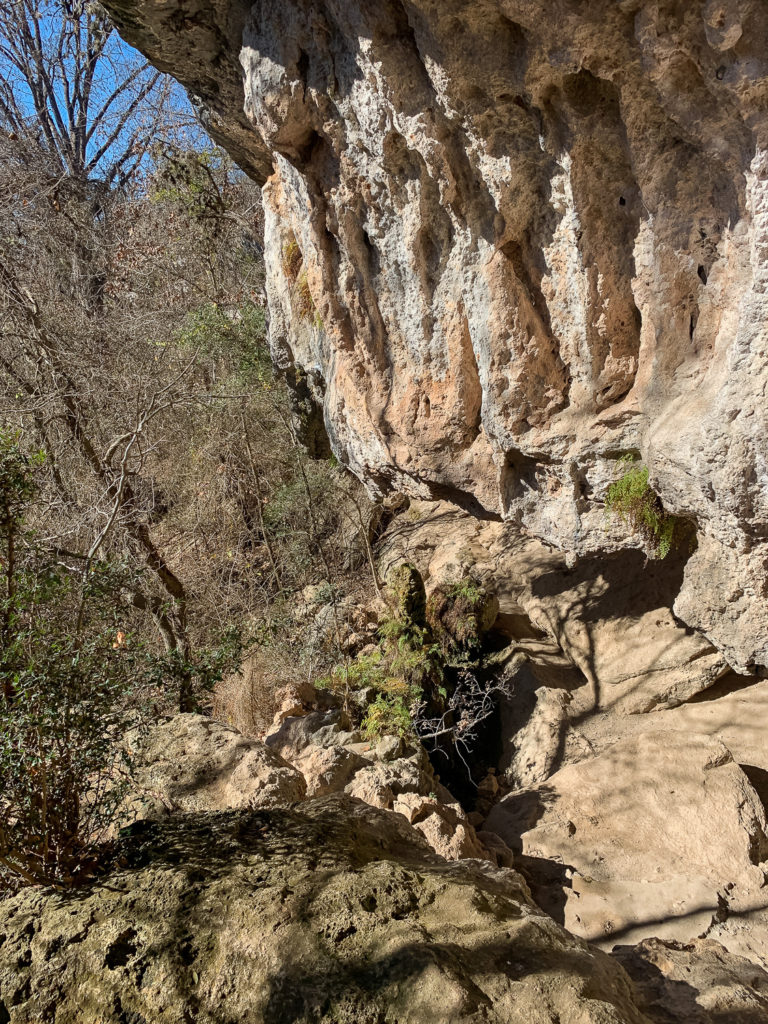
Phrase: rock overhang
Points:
(528, 244)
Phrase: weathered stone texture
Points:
(334, 913)
(193, 763)
(526, 237)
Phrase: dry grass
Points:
(293, 268)
(305, 306)
(247, 700)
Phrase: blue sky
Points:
(95, 121)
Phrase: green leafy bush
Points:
(635, 502)
(62, 771)
(237, 335)
(64, 701)
(405, 666)
(367, 670)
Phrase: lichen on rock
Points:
(332, 912)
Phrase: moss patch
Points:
(634, 501)
(459, 614)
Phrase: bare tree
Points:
(70, 84)
(132, 350)
(470, 704)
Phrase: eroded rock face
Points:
(510, 240)
(649, 837)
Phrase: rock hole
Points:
(374, 263)
(369, 903)
(121, 950)
(691, 327)
(310, 146)
(187, 951)
(622, 201)
(5, 1017)
(702, 275)
(302, 66)
(128, 1016)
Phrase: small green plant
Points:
(387, 716)
(416, 660)
(405, 665)
(468, 590)
(365, 671)
(634, 501)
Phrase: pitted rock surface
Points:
(331, 912)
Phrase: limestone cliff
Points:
(509, 241)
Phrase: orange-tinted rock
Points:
(532, 236)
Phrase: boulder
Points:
(296, 700)
(449, 833)
(695, 982)
(650, 838)
(371, 787)
(498, 851)
(381, 782)
(328, 769)
(390, 748)
(328, 913)
(444, 826)
(319, 728)
(534, 725)
(192, 763)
